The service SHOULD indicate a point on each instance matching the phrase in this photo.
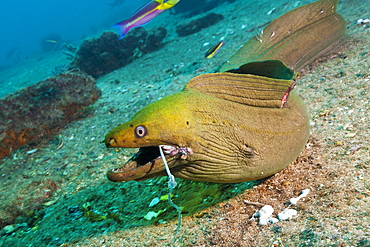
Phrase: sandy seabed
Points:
(59, 195)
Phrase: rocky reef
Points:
(195, 26)
(98, 56)
(194, 7)
(39, 111)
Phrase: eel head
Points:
(162, 123)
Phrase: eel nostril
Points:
(112, 142)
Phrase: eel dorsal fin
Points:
(253, 90)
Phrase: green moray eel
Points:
(221, 127)
(233, 126)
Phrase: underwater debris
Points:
(98, 56)
(195, 26)
(362, 22)
(304, 193)
(272, 10)
(287, 214)
(47, 105)
(171, 185)
(253, 203)
(32, 151)
(60, 142)
(154, 202)
(265, 213)
(152, 215)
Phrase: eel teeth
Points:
(170, 150)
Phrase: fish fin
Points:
(296, 38)
(149, 3)
(245, 89)
(122, 28)
(274, 69)
(171, 2)
(166, 4)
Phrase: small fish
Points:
(144, 15)
(51, 41)
(214, 49)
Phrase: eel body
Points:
(214, 133)
(236, 125)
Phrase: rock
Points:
(190, 8)
(37, 112)
(98, 56)
(195, 26)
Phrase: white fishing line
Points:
(171, 184)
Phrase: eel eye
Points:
(140, 131)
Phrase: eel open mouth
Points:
(147, 163)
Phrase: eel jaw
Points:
(147, 163)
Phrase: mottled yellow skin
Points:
(231, 142)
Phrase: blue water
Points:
(25, 23)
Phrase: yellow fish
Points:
(214, 49)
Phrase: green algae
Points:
(91, 214)
(193, 196)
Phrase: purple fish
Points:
(144, 15)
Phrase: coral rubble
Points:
(37, 112)
(195, 26)
(106, 53)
